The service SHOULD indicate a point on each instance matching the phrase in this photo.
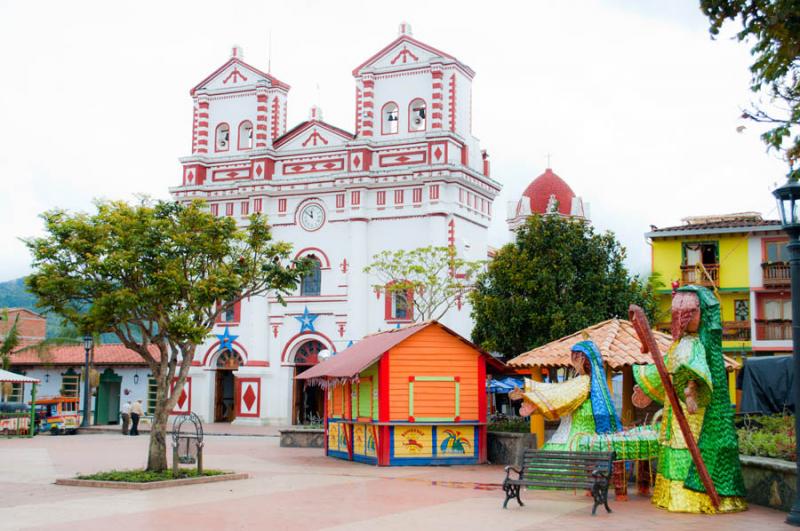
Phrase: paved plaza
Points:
(299, 489)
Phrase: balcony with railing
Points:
(773, 330)
(736, 330)
(776, 274)
(700, 274)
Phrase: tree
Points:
(10, 339)
(773, 26)
(154, 274)
(433, 277)
(557, 277)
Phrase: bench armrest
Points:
(509, 469)
(600, 472)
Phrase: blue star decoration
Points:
(307, 321)
(226, 340)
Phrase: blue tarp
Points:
(505, 385)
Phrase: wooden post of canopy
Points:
(627, 394)
(537, 419)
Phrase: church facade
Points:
(410, 174)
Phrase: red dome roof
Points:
(542, 188)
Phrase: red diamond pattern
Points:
(329, 165)
(403, 158)
(259, 170)
(249, 397)
(357, 161)
(182, 398)
(438, 153)
(190, 178)
(297, 168)
(232, 174)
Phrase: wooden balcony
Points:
(776, 274)
(773, 330)
(736, 330)
(694, 274)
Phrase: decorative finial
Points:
(315, 113)
(237, 51)
(548, 161)
(405, 29)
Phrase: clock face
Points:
(312, 217)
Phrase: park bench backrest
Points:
(564, 469)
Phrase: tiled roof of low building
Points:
(107, 354)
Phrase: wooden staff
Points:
(642, 327)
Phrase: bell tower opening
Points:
(309, 400)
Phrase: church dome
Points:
(544, 193)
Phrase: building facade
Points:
(410, 175)
(744, 258)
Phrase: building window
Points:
(398, 197)
(152, 393)
(71, 383)
(389, 119)
(776, 251)
(433, 192)
(778, 309)
(257, 205)
(355, 198)
(222, 137)
(700, 253)
(417, 115)
(215, 209)
(417, 195)
(339, 200)
(281, 205)
(399, 305)
(245, 208)
(308, 353)
(231, 313)
(311, 283)
(228, 209)
(245, 135)
(381, 198)
(741, 309)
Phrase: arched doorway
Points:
(309, 400)
(224, 385)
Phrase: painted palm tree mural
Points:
(454, 443)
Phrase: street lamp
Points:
(87, 346)
(788, 197)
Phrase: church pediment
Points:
(236, 74)
(405, 51)
(312, 134)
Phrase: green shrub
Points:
(143, 476)
(512, 424)
(768, 436)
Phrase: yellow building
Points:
(743, 257)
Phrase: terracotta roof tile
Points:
(616, 339)
(728, 224)
(107, 354)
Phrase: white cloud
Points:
(638, 106)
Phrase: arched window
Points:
(311, 283)
(308, 353)
(229, 359)
(223, 137)
(246, 135)
(417, 115)
(389, 119)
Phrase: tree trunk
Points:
(157, 454)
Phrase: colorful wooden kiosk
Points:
(409, 396)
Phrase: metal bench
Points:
(562, 470)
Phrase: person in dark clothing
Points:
(136, 412)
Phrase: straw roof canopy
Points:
(616, 339)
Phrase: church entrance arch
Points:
(228, 361)
(309, 400)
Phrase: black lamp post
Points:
(87, 346)
(788, 197)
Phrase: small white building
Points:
(411, 174)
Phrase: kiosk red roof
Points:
(351, 361)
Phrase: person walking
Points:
(136, 412)
(126, 416)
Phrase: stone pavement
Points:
(292, 488)
(214, 428)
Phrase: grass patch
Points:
(511, 424)
(144, 476)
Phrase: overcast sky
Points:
(636, 104)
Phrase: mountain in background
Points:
(14, 294)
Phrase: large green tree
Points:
(157, 275)
(557, 277)
(773, 29)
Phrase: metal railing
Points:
(773, 330)
(736, 330)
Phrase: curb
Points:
(169, 431)
(151, 485)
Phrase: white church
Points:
(411, 174)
